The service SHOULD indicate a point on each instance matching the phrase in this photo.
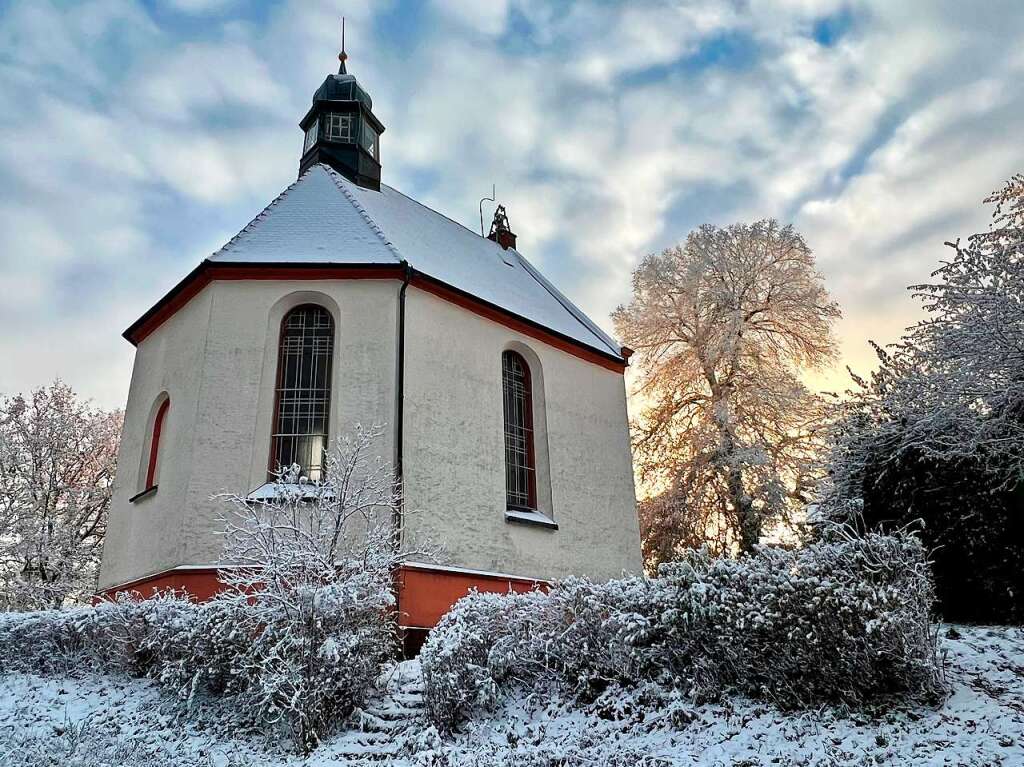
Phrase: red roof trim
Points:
(209, 271)
(515, 322)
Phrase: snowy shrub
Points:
(43, 642)
(593, 634)
(299, 635)
(122, 635)
(458, 675)
(297, 638)
(839, 621)
(302, 664)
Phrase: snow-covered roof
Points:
(323, 218)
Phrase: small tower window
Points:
(152, 468)
(338, 127)
(520, 464)
(370, 140)
(303, 394)
(312, 133)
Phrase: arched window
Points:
(303, 395)
(154, 444)
(520, 464)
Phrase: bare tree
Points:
(309, 571)
(722, 327)
(58, 457)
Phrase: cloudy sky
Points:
(137, 137)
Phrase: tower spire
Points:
(342, 57)
(341, 129)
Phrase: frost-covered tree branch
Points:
(934, 438)
(953, 387)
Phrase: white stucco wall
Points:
(454, 451)
(217, 360)
(147, 534)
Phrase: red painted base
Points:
(424, 593)
(199, 583)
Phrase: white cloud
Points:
(204, 76)
(488, 18)
(128, 152)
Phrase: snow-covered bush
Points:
(299, 634)
(43, 642)
(456, 658)
(303, 665)
(123, 635)
(593, 634)
(839, 621)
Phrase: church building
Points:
(345, 302)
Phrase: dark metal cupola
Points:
(341, 130)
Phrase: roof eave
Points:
(199, 277)
(209, 270)
(130, 334)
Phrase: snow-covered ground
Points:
(96, 720)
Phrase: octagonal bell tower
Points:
(341, 130)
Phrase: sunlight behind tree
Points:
(723, 326)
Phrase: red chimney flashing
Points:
(504, 238)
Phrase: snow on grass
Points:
(93, 717)
(980, 723)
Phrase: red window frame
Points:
(154, 443)
(518, 460)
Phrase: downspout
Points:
(400, 394)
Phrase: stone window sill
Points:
(530, 517)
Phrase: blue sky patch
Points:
(829, 30)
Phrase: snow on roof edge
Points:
(570, 307)
(336, 178)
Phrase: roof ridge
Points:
(261, 215)
(336, 178)
(569, 306)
